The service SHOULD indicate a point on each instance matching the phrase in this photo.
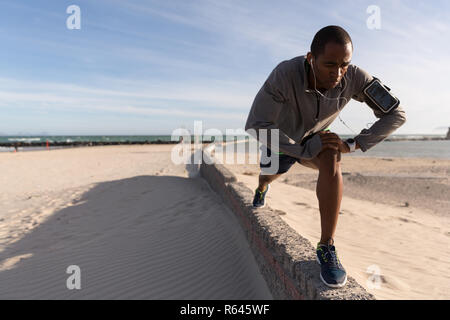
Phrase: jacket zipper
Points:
(318, 107)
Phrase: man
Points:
(301, 98)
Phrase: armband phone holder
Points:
(379, 96)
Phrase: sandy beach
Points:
(136, 225)
(141, 227)
(394, 226)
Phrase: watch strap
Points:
(351, 144)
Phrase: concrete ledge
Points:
(287, 260)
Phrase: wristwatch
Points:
(351, 144)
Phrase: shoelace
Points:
(332, 257)
(261, 193)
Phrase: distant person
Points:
(301, 98)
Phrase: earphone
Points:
(315, 87)
(338, 98)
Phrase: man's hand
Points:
(332, 141)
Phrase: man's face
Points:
(331, 65)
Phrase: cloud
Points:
(159, 99)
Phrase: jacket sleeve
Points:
(386, 124)
(270, 102)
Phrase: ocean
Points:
(51, 139)
(439, 149)
(408, 149)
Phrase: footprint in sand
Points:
(408, 221)
(346, 212)
(302, 204)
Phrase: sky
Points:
(150, 67)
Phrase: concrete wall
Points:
(286, 260)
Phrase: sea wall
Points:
(286, 259)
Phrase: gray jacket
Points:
(284, 102)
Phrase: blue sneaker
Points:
(259, 199)
(332, 273)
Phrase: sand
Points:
(140, 227)
(394, 226)
(136, 225)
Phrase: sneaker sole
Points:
(331, 285)
(260, 206)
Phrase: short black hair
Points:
(329, 34)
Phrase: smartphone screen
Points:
(381, 96)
